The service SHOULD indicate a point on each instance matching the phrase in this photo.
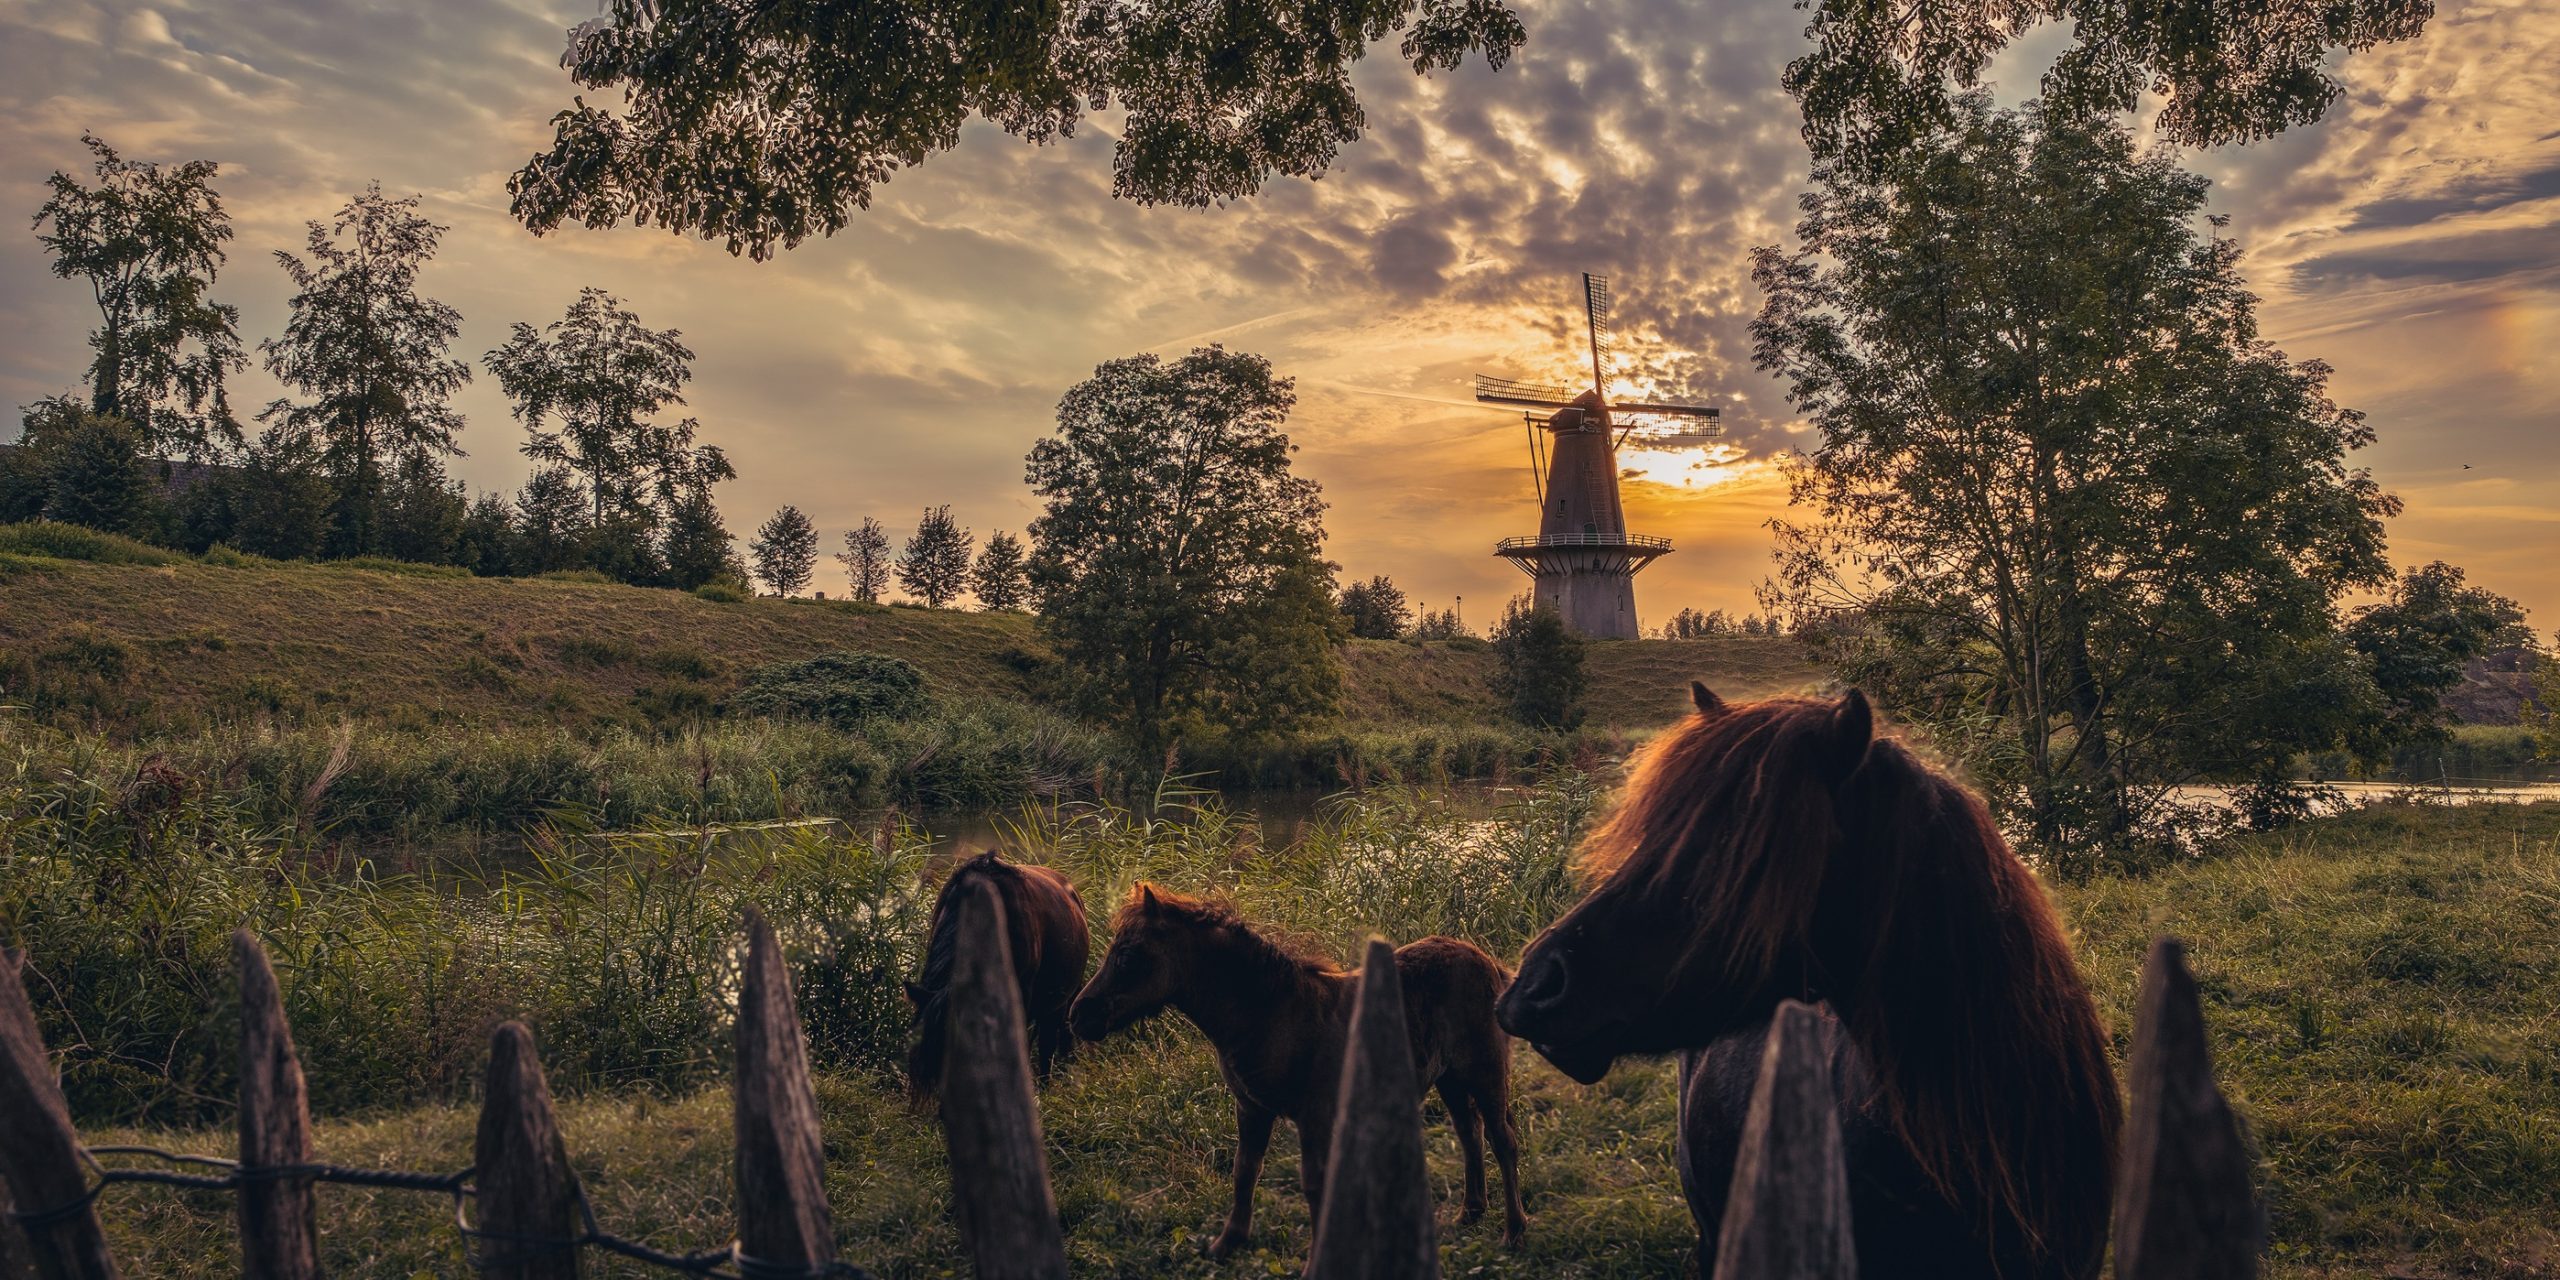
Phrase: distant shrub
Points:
(474, 669)
(83, 653)
(1026, 661)
(721, 593)
(588, 576)
(404, 568)
(842, 689)
(684, 661)
(670, 703)
(72, 542)
(595, 651)
(223, 555)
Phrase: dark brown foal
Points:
(1280, 1022)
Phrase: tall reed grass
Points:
(620, 945)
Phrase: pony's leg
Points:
(1253, 1138)
(1315, 1142)
(1050, 1042)
(1470, 1127)
(1495, 1104)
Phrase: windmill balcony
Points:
(1643, 540)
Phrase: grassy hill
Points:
(171, 643)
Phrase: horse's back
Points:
(1905, 1229)
(1048, 920)
(1450, 986)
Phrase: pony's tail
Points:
(924, 1057)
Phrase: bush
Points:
(404, 568)
(72, 542)
(720, 593)
(841, 689)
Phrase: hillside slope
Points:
(139, 648)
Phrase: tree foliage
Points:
(2072, 507)
(370, 354)
(1538, 670)
(1884, 78)
(148, 241)
(1177, 567)
(95, 473)
(587, 389)
(760, 125)
(934, 566)
(785, 550)
(866, 561)
(2417, 642)
(998, 580)
(1376, 609)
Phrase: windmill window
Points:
(1591, 529)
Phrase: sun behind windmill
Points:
(1583, 561)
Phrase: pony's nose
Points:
(1544, 984)
(1085, 1019)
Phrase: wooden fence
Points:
(2185, 1208)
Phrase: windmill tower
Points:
(1582, 560)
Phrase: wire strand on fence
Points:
(725, 1263)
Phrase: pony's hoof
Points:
(1225, 1244)
(1515, 1234)
(1470, 1215)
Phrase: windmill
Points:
(1582, 560)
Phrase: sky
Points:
(2411, 240)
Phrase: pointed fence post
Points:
(523, 1190)
(781, 1165)
(999, 1167)
(1376, 1223)
(279, 1216)
(1788, 1215)
(40, 1160)
(2185, 1206)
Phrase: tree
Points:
(785, 549)
(935, 563)
(1538, 670)
(764, 124)
(1883, 79)
(2417, 642)
(1376, 609)
(2542, 713)
(551, 528)
(2073, 510)
(369, 352)
(997, 579)
(586, 388)
(1443, 625)
(95, 475)
(421, 511)
(1689, 624)
(282, 504)
(149, 241)
(486, 545)
(866, 560)
(699, 549)
(1174, 562)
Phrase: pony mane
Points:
(1884, 887)
(1281, 953)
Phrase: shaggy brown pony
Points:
(1281, 1021)
(1046, 934)
(1780, 850)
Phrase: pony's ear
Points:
(1147, 899)
(915, 994)
(1705, 699)
(1852, 731)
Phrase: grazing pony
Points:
(1046, 934)
(1779, 850)
(1281, 1022)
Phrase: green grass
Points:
(2382, 990)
